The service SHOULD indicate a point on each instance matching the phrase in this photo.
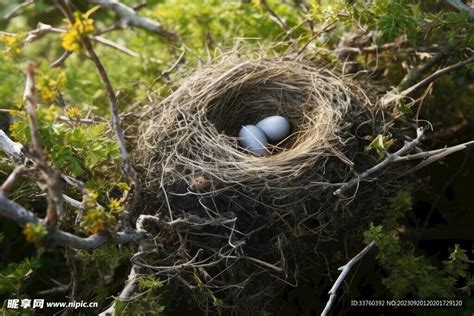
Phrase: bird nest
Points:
(241, 226)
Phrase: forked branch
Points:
(344, 271)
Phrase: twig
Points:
(394, 96)
(325, 29)
(263, 263)
(58, 289)
(11, 148)
(127, 167)
(461, 6)
(390, 158)
(79, 120)
(433, 155)
(131, 284)
(30, 97)
(70, 259)
(14, 12)
(129, 17)
(345, 270)
(342, 52)
(21, 216)
(411, 78)
(14, 151)
(41, 30)
(275, 16)
(123, 49)
(7, 185)
(58, 62)
(139, 6)
(51, 176)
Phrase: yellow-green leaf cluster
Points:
(34, 232)
(83, 25)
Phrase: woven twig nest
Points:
(241, 212)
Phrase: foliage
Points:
(13, 275)
(99, 221)
(409, 272)
(73, 112)
(380, 145)
(83, 25)
(148, 300)
(34, 232)
(391, 19)
(98, 269)
(75, 148)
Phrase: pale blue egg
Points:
(276, 127)
(253, 139)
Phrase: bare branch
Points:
(17, 9)
(36, 34)
(401, 156)
(131, 284)
(51, 176)
(394, 96)
(461, 6)
(10, 148)
(123, 49)
(30, 97)
(274, 16)
(128, 17)
(14, 151)
(101, 40)
(344, 271)
(433, 155)
(411, 78)
(21, 216)
(390, 158)
(58, 289)
(41, 31)
(6, 186)
(58, 62)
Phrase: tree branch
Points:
(123, 49)
(129, 17)
(14, 12)
(433, 155)
(41, 31)
(394, 96)
(274, 16)
(14, 151)
(30, 97)
(411, 78)
(399, 156)
(131, 284)
(345, 270)
(10, 148)
(127, 167)
(50, 176)
(390, 158)
(16, 173)
(461, 6)
(21, 216)
(58, 62)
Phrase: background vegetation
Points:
(425, 245)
